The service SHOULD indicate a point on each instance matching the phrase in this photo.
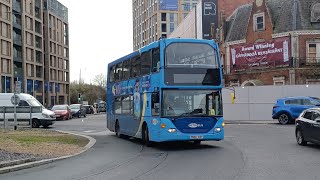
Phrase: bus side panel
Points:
(109, 111)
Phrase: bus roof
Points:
(153, 45)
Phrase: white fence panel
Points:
(256, 102)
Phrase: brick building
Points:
(272, 42)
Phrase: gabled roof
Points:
(238, 22)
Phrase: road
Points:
(254, 151)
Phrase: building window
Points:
(38, 71)
(38, 27)
(278, 81)
(186, 6)
(5, 66)
(5, 30)
(171, 27)
(234, 82)
(259, 23)
(163, 27)
(38, 42)
(5, 48)
(171, 17)
(315, 15)
(313, 52)
(163, 17)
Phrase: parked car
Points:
(101, 106)
(308, 127)
(62, 112)
(89, 109)
(78, 110)
(286, 110)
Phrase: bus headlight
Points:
(217, 130)
(172, 130)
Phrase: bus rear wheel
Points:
(117, 129)
(145, 136)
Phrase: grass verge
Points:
(41, 142)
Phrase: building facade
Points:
(153, 19)
(205, 21)
(57, 66)
(271, 42)
(25, 46)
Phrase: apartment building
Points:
(153, 19)
(27, 42)
(57, 71)
(6, 47)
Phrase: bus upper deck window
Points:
(155, 60)
(112, 74)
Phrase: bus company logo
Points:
(154, 121)
(195, 125)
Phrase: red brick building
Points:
(272, 42)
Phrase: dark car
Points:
(286, 110)
(308, 127)
(89, 109)
(78, 110)
(62, 112)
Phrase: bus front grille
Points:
(195, 124)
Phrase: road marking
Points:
(88, 131)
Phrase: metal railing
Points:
(308, 61)
(7, 114)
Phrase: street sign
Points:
(18, 87)
(15, 99)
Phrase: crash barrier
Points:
(23, 114)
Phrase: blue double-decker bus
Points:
(169, 90)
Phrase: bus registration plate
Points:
(196, 137)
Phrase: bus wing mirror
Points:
(155, 97)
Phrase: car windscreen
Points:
(59, 107)
(316, 99)
(35, 102)
(74, 106)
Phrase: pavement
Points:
(251, 121)
(10, 166)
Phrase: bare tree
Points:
(100, 80)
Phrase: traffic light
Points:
(79, 97)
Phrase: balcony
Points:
(17, 40)
(16, 19)
(306, 62)
(17, 58)
(16, 6)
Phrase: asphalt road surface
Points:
(257, 151)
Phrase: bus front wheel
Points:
(145, 136)
(117, 129)
(197, 143)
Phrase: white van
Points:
(44, 118)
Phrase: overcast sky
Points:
(100, 31)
